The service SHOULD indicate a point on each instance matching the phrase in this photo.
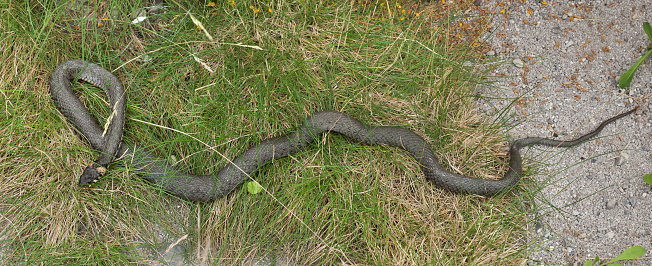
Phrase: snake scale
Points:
(210, 187)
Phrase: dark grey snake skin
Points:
(211, 187)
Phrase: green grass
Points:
(337, 202)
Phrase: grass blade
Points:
(626, 78)
(630, 253)
(648, 30)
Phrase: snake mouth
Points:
(92, 173)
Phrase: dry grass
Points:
(335, 203)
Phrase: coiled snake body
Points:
(210, 187)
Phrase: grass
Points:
(337, 202)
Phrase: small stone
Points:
(569, 43)
(632, 201)
(173, 256)
(610, 235)
(490, 53)
(576, 213)
(518, 63)
(583, 235)
(620, 160)
(611, 204)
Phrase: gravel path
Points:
(564, 58)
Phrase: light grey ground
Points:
(595, 208)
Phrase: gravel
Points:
(564, 58)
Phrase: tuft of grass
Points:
(337, 202)
(626, 78)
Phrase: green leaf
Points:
(648, 30)
(592, 262)
(648, 179)
(626, 78)
(630, 253)
(253, 187)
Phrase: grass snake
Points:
(210, 187)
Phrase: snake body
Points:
(210, 187)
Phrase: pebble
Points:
(620, 160)
(611, 204)
(518, 62)
(632, 201)
(490, 53)
(610, 235)
(173, 257)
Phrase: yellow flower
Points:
(270, 10)
(211, 4)
(232, 2)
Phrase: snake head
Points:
(91, 174)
